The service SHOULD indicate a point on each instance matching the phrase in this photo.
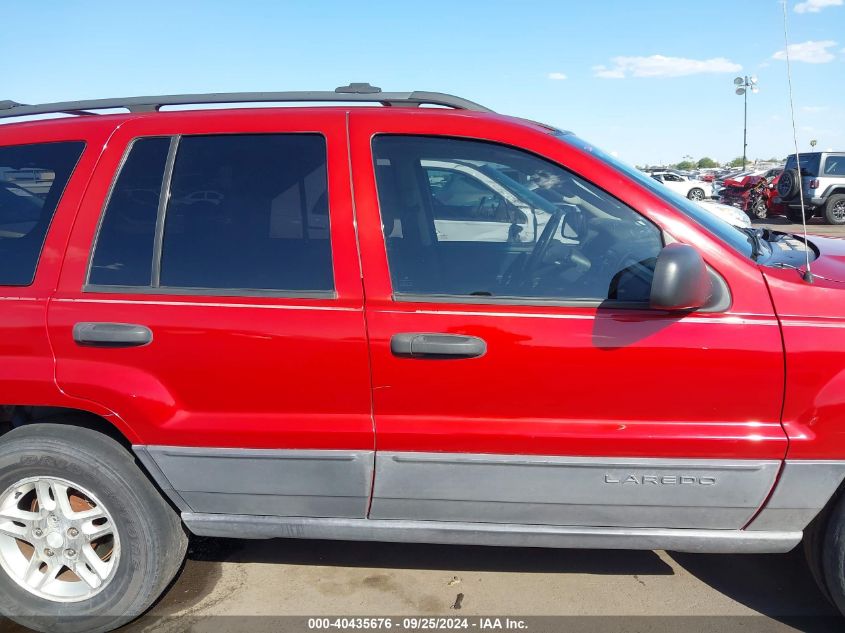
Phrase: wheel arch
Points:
(109, 425)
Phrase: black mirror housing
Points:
(681, 280)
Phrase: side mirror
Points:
(681, 280)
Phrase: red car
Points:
(754, 194)
(247, 323)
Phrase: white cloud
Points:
(557, 76)
(605, 73)
(811, 52)
(814, 6)
(662, 66)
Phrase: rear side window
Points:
(32, 180)
(834, 166)
(243, 213)
(248, 212)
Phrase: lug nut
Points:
(49, 552)
(38, 532)
(73, 532)
(70, 553)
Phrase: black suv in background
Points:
(823, 184)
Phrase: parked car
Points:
(692, 189)
(822, 176)
(244, 323)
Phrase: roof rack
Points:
(354, 92)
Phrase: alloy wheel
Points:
(57, 540)
(838, 211)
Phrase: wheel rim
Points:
(697, 194)
(57, 540)
(838, 211)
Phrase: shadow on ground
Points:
(777, 585)
(435, 557)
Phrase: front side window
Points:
(475, 219)
(32, 181)
(243, 213)
(736, 238)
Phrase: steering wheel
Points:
(531, 263)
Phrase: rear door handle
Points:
(112, 334)
(424, 345)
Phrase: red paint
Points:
(298, 373)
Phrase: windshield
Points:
(730, 235)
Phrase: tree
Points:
(736, 162)
(685, 165)
(707, 163)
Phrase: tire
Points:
(834, 210)
(759, 210)
(787, 186)
(696, 193)
(833, 555)
(813, 539)
(75, 470)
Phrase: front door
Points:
(220, 313)
(519, 375)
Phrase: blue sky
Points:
(589, 66)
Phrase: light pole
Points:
(743, 85)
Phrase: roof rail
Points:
(354, 92)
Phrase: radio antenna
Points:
(807, 275)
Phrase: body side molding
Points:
(803, 489)
(508, 535)
(313, 483)
(572, 491)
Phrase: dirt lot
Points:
(287, 577)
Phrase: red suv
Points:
(393, 323)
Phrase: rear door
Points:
(529, 382)
(211, 299)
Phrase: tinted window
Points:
(123, 254)
(248, 212)
(32, 180)
(477, 219)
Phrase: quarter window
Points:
(32, 181)
(123, 255)
(475, 219)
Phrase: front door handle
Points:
(112, 334)
(424, 345)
